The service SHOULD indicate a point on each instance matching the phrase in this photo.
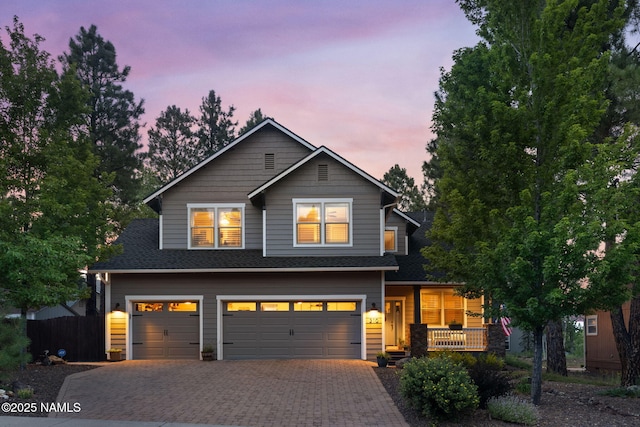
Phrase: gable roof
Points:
(414, 223)
(265, 123)
(314, 154)
(413, 267)
(141, 254)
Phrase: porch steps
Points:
(395, 356)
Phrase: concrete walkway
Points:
(235, 393)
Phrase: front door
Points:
(394, 323)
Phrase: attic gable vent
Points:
(269, 161)
(323, 172)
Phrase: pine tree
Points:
(113, 114)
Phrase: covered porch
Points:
(450, 322)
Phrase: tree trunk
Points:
(556, 357)
(628, 342)
(536, 374)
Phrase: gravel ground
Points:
(563, 404)
(45, 382)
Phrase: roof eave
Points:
(243, 270)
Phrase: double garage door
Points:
(250, 329)
(291, 329)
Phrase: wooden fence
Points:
(82, 337)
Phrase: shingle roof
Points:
(140, 243)
(412, 266)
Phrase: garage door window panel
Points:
(274, 306)
(308, 306)
(241, 306)
(342, 306)
(149, 306)
(183, 306)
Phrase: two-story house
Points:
(270, 248)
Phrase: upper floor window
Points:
(390, 239)
(216, 226)
(592, 324)
(322, 222)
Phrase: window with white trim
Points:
(391, 239)
(591, 325)
(322, 222)
(441, 307)
(216, 226)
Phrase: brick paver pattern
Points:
(237, 393)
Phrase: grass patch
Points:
(630, 392)
(518, 362)
(25, 393)
(582, 378)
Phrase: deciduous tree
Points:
(53, 219)
(514, 120)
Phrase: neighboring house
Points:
(274, 248)
(601, 353)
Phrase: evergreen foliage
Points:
(12, 345)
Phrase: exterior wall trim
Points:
(332, 297)
(251, 270)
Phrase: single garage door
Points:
(291, 329)
(165, 330)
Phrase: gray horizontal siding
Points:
(228, 179)
(342, 183)
(211, 285)
(401, 238)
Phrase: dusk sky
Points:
(356, 76)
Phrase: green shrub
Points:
(438, 388)
(513, 410)
(487, 374)
(465, 359)
(524, 386)
(25, 393)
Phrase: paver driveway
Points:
(243, 393)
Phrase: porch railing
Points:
(466, 339)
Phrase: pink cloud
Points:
(355, 76)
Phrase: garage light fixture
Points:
(373, 314)
(117, 307)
